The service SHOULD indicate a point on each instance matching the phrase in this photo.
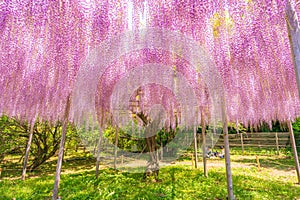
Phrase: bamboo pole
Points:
(98, 152)
(294, 37)
(204, 147)
(195, 147)
(61, 149)
(28, 150)
(294, 147)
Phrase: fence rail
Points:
(264, 139)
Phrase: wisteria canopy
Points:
(45, 43)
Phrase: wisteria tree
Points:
(81, 60)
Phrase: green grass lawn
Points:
(275, 180)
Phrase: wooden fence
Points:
(262, 140)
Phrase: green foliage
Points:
(296, 126)
(233, 129)
(164, 137)
(132, 139)
(13, 137)
(89, 136)
(124, 139)
(45, 142)
(257, 151)
(275, 126)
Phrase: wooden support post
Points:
(116, 148)
(277, 143)
(61, 149)
(241, 136)
(227, 162)
(204, 146)
(294, 37)
(195, 147)
(294, 147)
(227, 153)
(258, 163)
(28, 149)
(99, 152)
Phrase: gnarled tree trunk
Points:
(153, 163)
(150, 135)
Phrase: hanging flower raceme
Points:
(45, 45)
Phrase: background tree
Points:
(45, 142)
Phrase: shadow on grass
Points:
(14, 169)
(279, 163)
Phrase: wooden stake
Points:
(28, 149)
(204, 146)
(258, 163)
(61, 149)
(294, 147)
